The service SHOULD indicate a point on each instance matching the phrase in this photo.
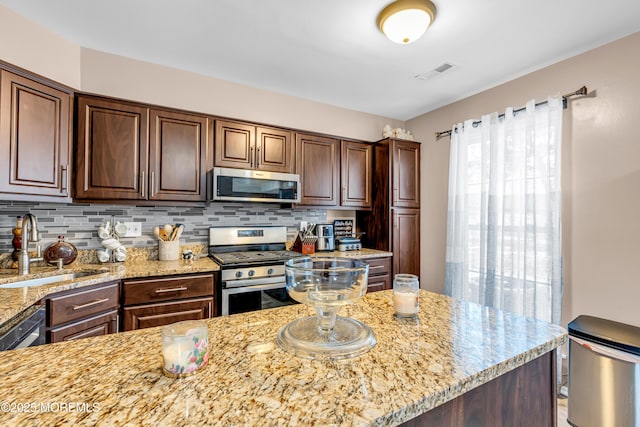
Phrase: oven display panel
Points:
(250, 233)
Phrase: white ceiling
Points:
(331, 50)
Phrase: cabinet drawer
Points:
(379, 283)
(167, 289)
(76, 304)
(379, 266)
(102, 324)
(150, 315)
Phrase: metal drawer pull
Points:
(162, 291)
(375, 266)
(89, 304)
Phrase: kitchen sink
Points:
(51, 279)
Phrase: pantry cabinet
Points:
(35, 139)
(393, 224)
(248, 146)
(126, 151)
(318, 164)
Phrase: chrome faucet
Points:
(29, 234)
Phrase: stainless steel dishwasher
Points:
(604, 373)
(27, 329)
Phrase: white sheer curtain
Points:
(504, 224)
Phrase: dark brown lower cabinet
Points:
(159, 301)
(160, 314)
(84, 312)
(101, 324)
(525, 396)
(379, 274)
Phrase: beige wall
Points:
(601, 176)
(28, 45)
(112, 75)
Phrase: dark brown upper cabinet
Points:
(177, 156)
(127, 152)
(35, 139)
(318, 163)
(247, 146)
(406, 174)
(356, 174)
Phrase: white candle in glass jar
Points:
(176, 354)
(405, 302)
(406, 295)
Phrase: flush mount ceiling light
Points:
(405, 21)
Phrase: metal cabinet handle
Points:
(142, 184)
(251, 158)
(375, 267)
(258, 158)
(63, 178)
(152, 184)
(89, 304)
(180, 289)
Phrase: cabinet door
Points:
(318, 163)
(147, 316)
(406, 241)
(406, 174)
(102, 324)
(112, 149)
(234, 145)
(34, 137)
(177, 156)
(274, 151)
(356, 174)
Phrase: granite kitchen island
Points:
(456, 363)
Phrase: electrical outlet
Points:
(134, 229)
(303, 225)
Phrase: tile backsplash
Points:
(78, 222)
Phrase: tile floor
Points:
(562, 413)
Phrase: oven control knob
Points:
(270, 271)
(251, 273)
(238, 274)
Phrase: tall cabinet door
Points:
(406, 174)
(406, 241)
(34, 137)
(177, 156)
(318, 163)
(356, 174)
(113, 146)
(274, 151)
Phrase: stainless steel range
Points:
(251, 263)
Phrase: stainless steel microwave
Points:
(243, 185)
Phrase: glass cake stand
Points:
(326, 284)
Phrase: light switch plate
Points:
(134, 229)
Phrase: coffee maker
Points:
(325, 240)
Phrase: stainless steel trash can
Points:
(604, 373)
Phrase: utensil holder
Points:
(168, 251)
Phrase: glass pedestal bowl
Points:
(326, 284)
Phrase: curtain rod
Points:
(580, 92)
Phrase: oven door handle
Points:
(254, 288)
(254, 282)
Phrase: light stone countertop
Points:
(415, 366)
(15, 300)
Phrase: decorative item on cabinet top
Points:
(399, 133)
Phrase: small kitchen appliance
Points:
(325, 241)
(348, 244)
(251, 260)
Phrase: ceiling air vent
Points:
(446, 67)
